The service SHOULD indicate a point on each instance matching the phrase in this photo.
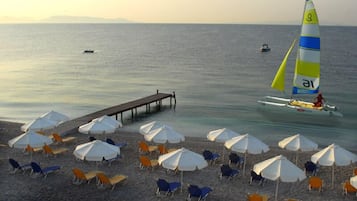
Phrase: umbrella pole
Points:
(245, 161)
(181, 181)
(333, 175)
(297, 156)
(223, 154)
(277, 189)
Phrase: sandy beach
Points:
(141, 183)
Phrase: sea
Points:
(216, 71)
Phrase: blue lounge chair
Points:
(255, 177)
(120, 145)
(17, 167)
(228, 172)
(200, 193)
(167, 187)
(311, 167)
(117, 158)
(37, 170)
(235, 159)
(91, 138)
(209, 156)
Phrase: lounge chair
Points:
(311, 167)
(110, 161)
(255, 177)
(145, 148)
(79, 176)
(15, 166)
(228, 172)
(235, 159)
(30, 149)
(54, 152)
(209, 156)
(167, 187)
(163, 150)
(120, 145)
(60, 139)
(199, 193)
(354, 171)
(257, 197)
(91, 138)
(145, 162)
(348, 188)
(315, 183)
(37, 170)
(104, 180)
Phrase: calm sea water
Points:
(217, 72)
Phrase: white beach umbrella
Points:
(246, 144)
(334, 155)
(96, 127)
(29, 138)
(221, 135)
(96, 150)
(146, 128)
(279, 169)
(297, 143)
(163, 135)
(38, 124)
(353, 181)
(55, 116)
(109, 120)
(182, 160)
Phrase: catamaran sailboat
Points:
(307, 72)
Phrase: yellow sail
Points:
(279, 79)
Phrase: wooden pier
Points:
(116, 110)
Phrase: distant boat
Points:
(307, 72)
(88, 51)
(265, 48)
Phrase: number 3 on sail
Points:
(307, 71)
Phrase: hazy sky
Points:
(335, 12)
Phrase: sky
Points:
(331, 12)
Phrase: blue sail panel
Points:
(310, 42)
(297, 90)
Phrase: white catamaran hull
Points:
(278, 104)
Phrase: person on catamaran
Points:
(319, 100)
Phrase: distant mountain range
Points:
(82, 19)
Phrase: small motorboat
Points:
(88, 51)
(265, 48)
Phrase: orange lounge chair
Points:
(145, 162)
(348, 188)
(80, 177)
(163, 150)
(145, 148)
(30, 149)
(257, 197)
(315, 183)
(54, 152)
(104, 181)
(60, 139)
